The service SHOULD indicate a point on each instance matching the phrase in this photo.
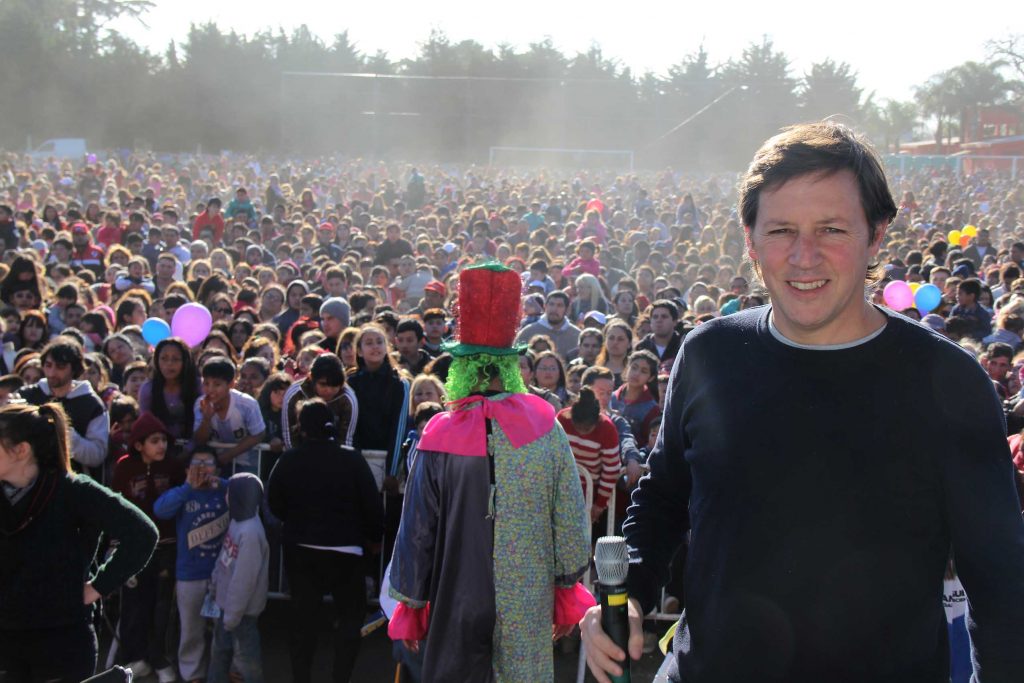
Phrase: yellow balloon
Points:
(970, 231)
(954, 237)
(914, 286)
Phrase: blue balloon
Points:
(155, 331)
(927, 298)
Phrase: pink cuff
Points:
(409, 623)
(571, 604)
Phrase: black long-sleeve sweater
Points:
(326, 496)
(824, 490)
(48, 540)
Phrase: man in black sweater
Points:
(817, 456)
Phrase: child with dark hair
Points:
(142, 477)
(595, 445)
(227, 415)
(199, 508)
(637, 398)
(124, 410)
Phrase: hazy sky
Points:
(892, 45)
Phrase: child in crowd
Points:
(637, 399)
(142, 477)
(9, 384)
(123, 413)
(135, 375)
(226, 415)
(199, 508)
(239, 585)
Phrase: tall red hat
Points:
(488, 312)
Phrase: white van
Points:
(62, 148)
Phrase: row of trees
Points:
(65, 73)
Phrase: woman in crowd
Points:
(618, 343)
(172, 390)
(549, 374)
(637, 399)
(325, 495)
(52, 521)
(382, 394)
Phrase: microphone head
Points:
(611, 560)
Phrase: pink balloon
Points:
(897, 295)
(192, 322)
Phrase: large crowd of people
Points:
(331, 286)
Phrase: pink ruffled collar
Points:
(523, 417)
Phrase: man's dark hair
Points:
(971, 286)
(592, 374)
(388, 318)
(214, 201)
(69, 292)
(668, 305)
(824, 147)
(11, 382)
(425, 411)
(558, 294)
(63, 350)
(1000, 350)
(123, 406)
(329, 368)
(434, 314)
(410, 325)
(219, 367)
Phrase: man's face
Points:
(984, 238)
(603, 391)
(331, 325)
(1016, 254)
(58, 375)
(407, 343)
(165, 268)
(738, 285)
(811, 242)
(938, 278)
(80, 239)
(335, 286)
(434, 328)
(433, 299)
(73, 316)
(998, 367)
(170, 236)
(555, 310)
(590, 346)
(964, 298)
(406, 267)
(662, 323)
(393, 233)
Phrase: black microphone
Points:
(612, 564)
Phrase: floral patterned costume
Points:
(491, 566)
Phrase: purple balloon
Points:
(192, 322)
(898, 295)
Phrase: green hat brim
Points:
(458, 349)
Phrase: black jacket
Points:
(48, 542)
(325, 495)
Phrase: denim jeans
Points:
(241, 645)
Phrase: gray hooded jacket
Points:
(240, 577)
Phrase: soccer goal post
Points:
(615, 159)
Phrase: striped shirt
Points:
(597, 452)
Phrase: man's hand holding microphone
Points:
(615, 626)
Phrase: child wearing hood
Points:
(239, 584)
